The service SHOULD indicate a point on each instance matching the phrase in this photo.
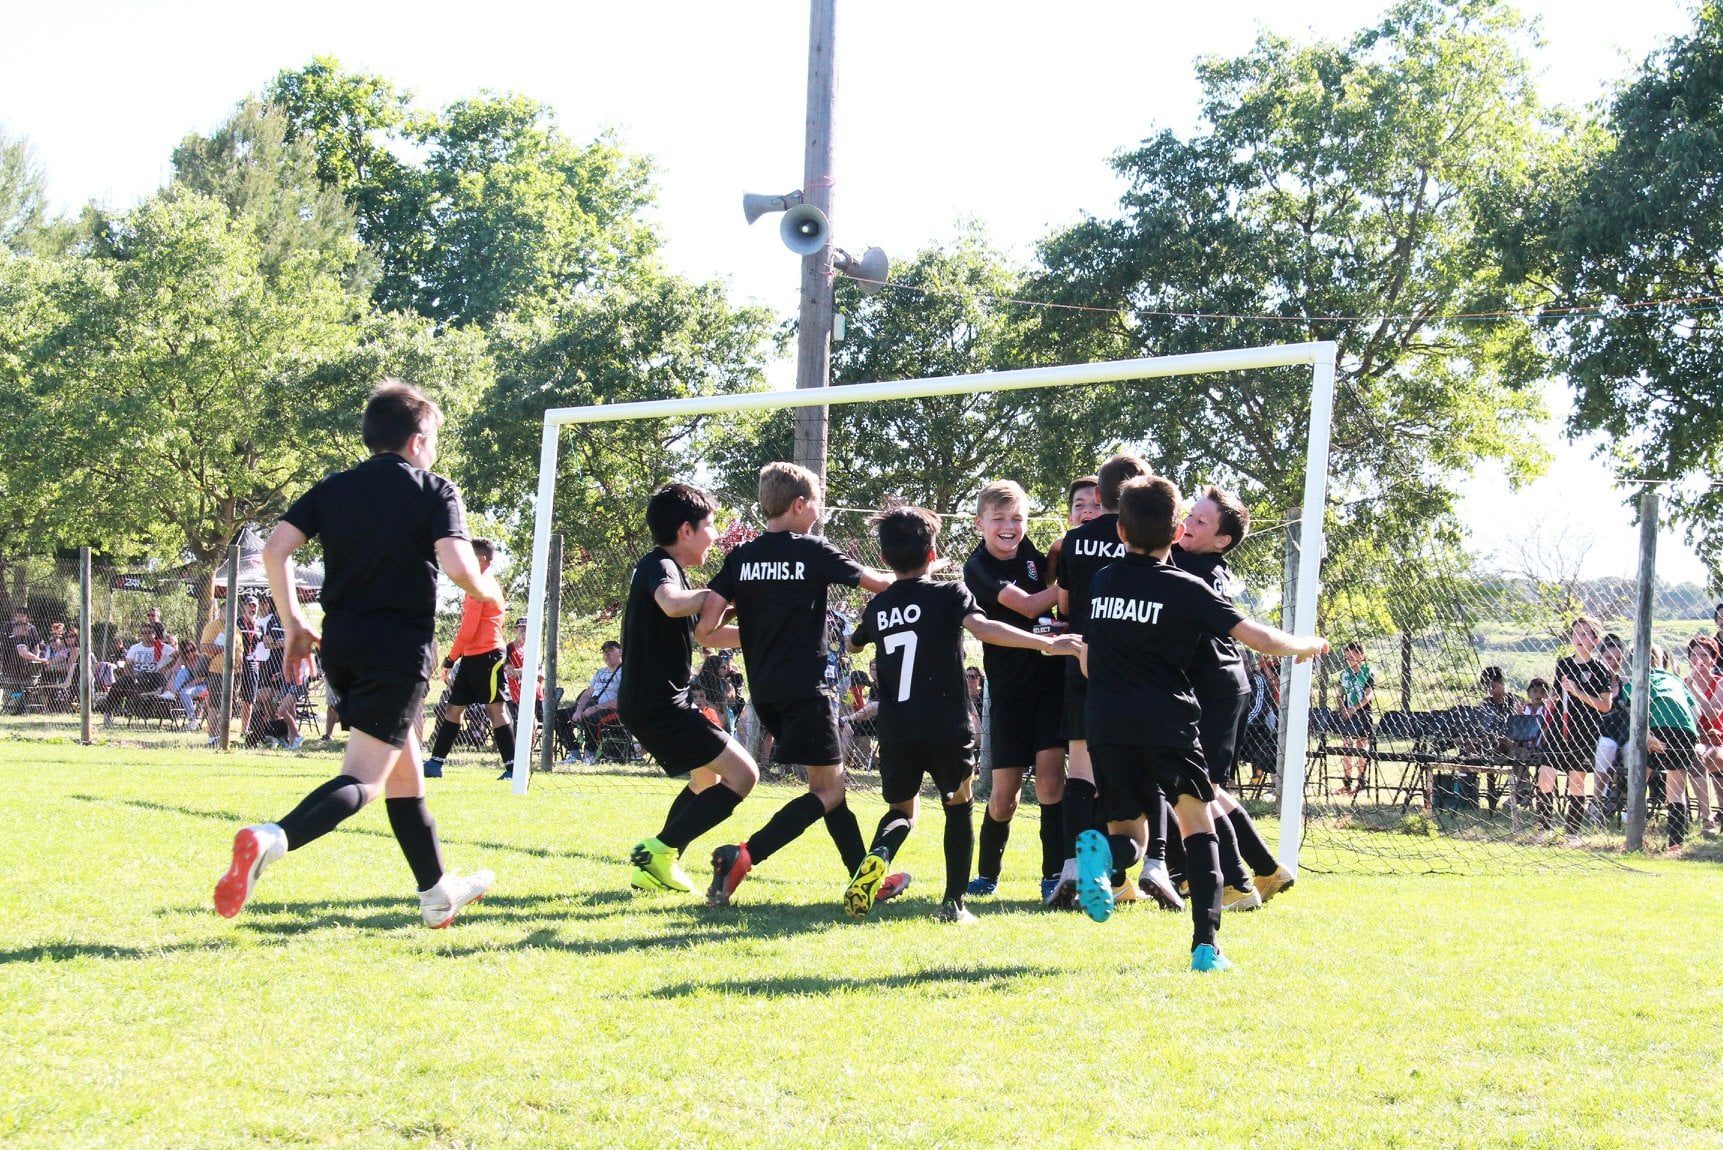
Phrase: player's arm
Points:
(458, 562)
(1030, 605)
(1268, 640)
(874, 581)
(711, 630)
(278, 551)
(1005, 635)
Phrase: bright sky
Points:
(998, 111)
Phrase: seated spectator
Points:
(1492, 714)
(22, 659)
(188, 680)
(593, 708)
(717, 682)
(858, 710)
(154, 615)
(140, 673)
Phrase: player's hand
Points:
(943, 563)
(448, 675)
(1317, 646)
(297, 644)
(1066, 645)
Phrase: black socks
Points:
(692, 815)
(1202, 871)
(416, 831)
(503, 734)
(1052, 839)
(846, 833)
(959, 845)
(322, 811)
(1575, 812)
(1231, 866)
(994, 836)
(1677, 822)
(888, 839)
(1079, 809)
(1251, 846)
(443, 740)
(786, 826)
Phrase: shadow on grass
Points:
(801, 985)
(66, 951)
(237, 820)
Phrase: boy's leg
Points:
(996, 825)
(870, 873)
(703, 804)
(1050, 784)
(1202, 868)
(959, 844)
(502, 735)
(1079, 816)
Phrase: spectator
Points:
(1495, 711)
(1706, 684)
(140, 674)
(1261, 744)
(22, 660)
(154, 615)
(1530, 718)
(595, 707)
(1717, 620)
(189, 679)
(1673, 740)
(1584, 693)
(858, 709)
(514, 661)
(1608, 795)
(1357, 696)
(717, 683)
(251, 656)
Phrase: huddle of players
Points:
(1149, 636)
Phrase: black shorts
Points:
(1020, 729)
(902, 766)
(1222, 719)
(246, 681)
(678, 738)
(1356, 727)
(1076, 698)
(806, 731)
(477, 679)
(385, 704)
(1131, 779)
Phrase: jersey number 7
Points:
(905, 673)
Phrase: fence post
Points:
(553, 640)
(235, 649)
(1640, 718)
(86, 671)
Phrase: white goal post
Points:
(1320, 357)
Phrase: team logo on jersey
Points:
(1033, 574)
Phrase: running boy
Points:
(1007, 575)
(654, 699)
(778, 584)
(924, 727)
(1146, 621)
(386, 526)
(473, 668)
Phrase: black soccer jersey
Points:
(917, 625)
(658, 650)
(1147, 621)
(379, 522)
(778, 585)
(1085, 550)
(1577, 724)
(1217, 672)
(1012, 672)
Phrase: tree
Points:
(648, 336)
(1337, 191)
(935, 318)
(502, 211)
(1631, 233)
(23, 194)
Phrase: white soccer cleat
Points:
(444, 901)
(254, 848)
(1155, 882)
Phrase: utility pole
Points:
(814, 333)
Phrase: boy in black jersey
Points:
(1084, 551)
(654, 700)
(924, 726)
(1007, 574)
(778, 585)
(1146, 620)
(386, 526)
(1215, 525)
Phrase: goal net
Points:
(1425, 779)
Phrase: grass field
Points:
(1552, 1011)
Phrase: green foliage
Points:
(648, 336)
(1639, 217)
(501, 212)
(23, 194)
(1332, 180)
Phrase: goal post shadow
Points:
(1318, 356)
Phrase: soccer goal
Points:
(1319, 357)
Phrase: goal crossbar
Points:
(1319, 356)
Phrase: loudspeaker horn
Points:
(805, 229)
(869, 272)
(753, 207)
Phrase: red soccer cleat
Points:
(730, 865)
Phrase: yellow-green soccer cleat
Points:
(859, 896)
(660, 862)
(643, 881)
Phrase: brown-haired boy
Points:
(778, 583)
(1146, 621)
